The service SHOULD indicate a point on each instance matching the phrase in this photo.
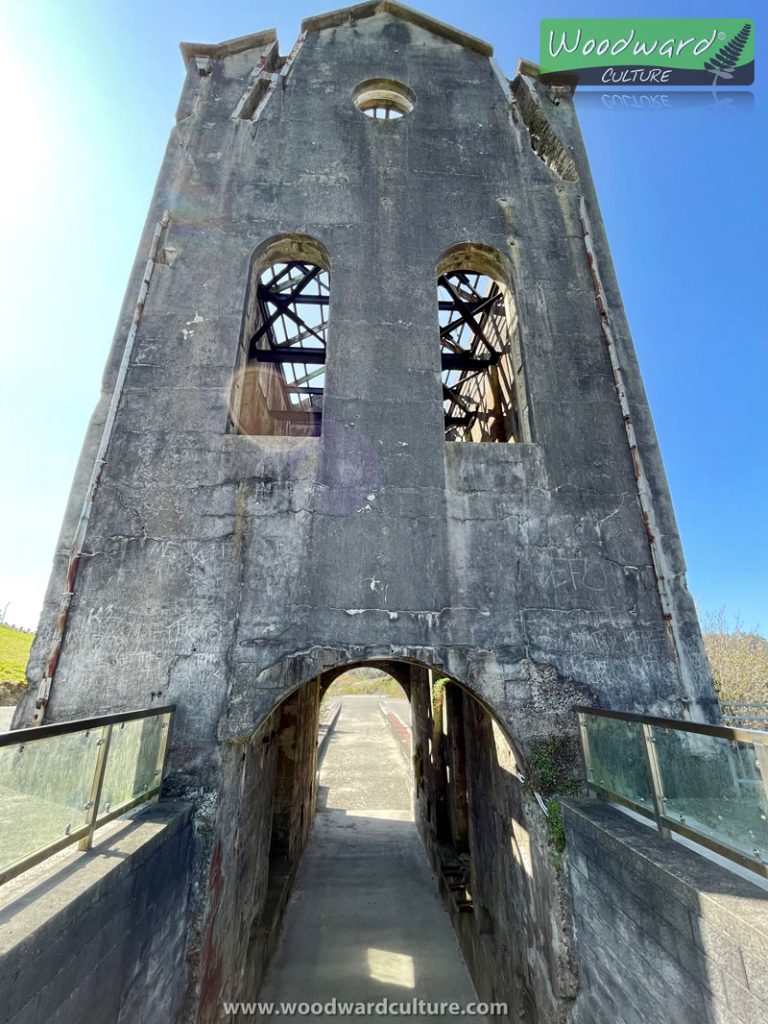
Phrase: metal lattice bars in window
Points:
(293, 299)
(478, 390)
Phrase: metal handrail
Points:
(746, 714)
(94, 816)
(664, 822)
(15, 736)
(725, 732)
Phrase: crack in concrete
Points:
(132, 511)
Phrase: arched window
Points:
(278, 388)
(482, 373)
(383, 99)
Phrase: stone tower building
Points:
(372, 399)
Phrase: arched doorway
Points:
(471, 796)
(365, 923)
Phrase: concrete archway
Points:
(487, 836)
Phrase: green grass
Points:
(14, 654)
(365, 681)
(554, 765)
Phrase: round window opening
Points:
(382, 99)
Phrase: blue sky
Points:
(89, 99)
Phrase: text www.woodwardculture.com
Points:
(379, 1008)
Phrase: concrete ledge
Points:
(677, 870)
(326, 731)
(345, 15)
(106, 921)
(679, 936)
(229, 47)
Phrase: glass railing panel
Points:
(616, 758)
(714, 786)
(133, 765)
(45, 787)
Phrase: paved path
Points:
(400, 706)
(365, 921)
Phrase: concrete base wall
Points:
(265, 810)
(515, 928)
(101, 936)
(221, 571)
(663, 933)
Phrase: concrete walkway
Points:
(365, 921)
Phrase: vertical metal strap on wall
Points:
(661, 566)
(78, 539)
(654, 773)
(92, 807)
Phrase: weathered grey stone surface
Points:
(517, 938)
(662, 933)
(364, 894)
(265, 812)
(101, 937)
(222, 572)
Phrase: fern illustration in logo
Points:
(723, 64)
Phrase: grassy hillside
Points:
(14, 654)
(365, 681)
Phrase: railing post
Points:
(585, 747)
(657, 787)
(761, 756)
(92, 807)
(162, 752)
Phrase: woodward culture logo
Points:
(650, 51)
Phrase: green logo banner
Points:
(650, 52)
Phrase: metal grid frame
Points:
(664, 823)
(83, 835)
(474, 339)
(292, 298)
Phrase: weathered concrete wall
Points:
(517, 935)
(215, 559)
(663, 934)
(262, 822)
(101, 937)
(221, 571)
